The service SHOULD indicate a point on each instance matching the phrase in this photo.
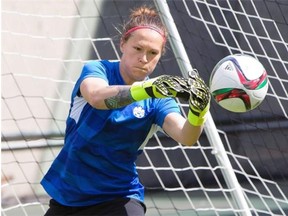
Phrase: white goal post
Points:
(210, 127)
(238, 166)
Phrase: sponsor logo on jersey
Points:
(138, 112)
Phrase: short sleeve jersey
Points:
(97, 161)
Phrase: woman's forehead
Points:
(144, 36)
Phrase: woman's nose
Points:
(143, 58)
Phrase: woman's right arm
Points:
(100, 95)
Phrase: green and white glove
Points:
(159, 87)
(199, 101)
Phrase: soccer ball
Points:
(239, 83)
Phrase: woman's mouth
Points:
(141, 69)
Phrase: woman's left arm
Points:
(187, 131)
(180, 129)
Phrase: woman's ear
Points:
(122, 42)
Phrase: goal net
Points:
(46, 43)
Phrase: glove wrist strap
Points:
(196, 120)
(137, 92)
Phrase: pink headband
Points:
(146, 27)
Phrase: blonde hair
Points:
(142, 17)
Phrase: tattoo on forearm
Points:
(123, 98)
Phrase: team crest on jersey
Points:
(138, 112)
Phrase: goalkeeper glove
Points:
(159, 87)
(199, 101)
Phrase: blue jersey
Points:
(97, 161)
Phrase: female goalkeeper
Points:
(114, 111)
